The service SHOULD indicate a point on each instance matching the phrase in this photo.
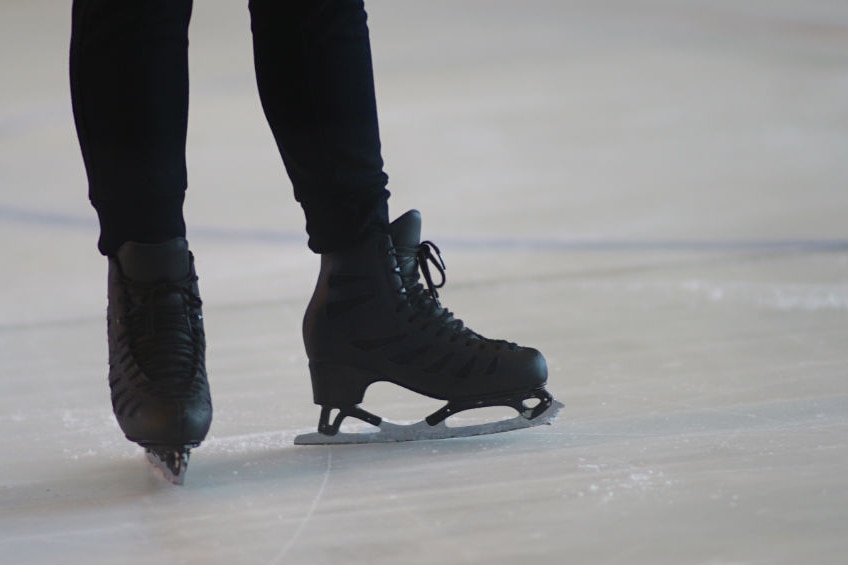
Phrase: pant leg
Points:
(129, 88)
(316, 84)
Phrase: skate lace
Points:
(420, 260)
(165, 332)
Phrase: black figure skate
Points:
(157, 346)
(371, 319)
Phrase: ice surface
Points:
(652, 192)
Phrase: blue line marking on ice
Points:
(38, 218)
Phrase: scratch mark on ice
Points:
(303, 523)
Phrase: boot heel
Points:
(338, 385)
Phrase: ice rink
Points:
(652, 192)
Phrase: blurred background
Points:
(646, 122)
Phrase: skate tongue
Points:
(413, 256)
(149, 263)
(406, 230)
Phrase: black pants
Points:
(129, 86)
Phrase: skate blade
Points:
(387, 432)
(169, 463)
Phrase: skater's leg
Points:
(129, 87)
(370, 318)
(315, 78)
(129, 84)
